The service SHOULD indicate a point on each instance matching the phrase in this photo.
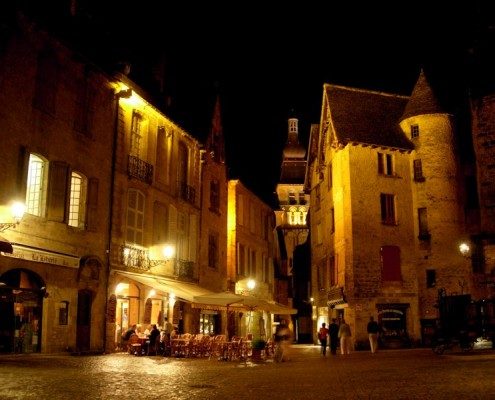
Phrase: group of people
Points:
(152, 334)
(342, 333)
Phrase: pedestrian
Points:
(345, 337)
(322, 337)
(333, 331)
(282, 337)
(373, 330)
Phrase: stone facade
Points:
(56, 114)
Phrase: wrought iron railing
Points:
(187, 192)
(140, 169)
(184, 270)
(134, 257)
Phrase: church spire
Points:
(215, 145)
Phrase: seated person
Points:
(152, 342)
(129, 332)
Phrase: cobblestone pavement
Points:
(391, 374)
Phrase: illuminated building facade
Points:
(386, 215)
(292, 231)
(56, 128)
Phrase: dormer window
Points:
(414, 131)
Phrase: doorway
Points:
(83, 333)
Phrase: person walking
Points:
(345, 338)
(373, 330)
(322, 336)
(333, 332)
(282, 337)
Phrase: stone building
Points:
(386, 215)
(56, 124)
(292, 231)
(155, 218)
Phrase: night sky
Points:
(270, 61)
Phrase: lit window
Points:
(136, 134)
(77, 204)
(36, 185)
(135, 217)
(387, 205)
(414, 131)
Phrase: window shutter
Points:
(391, 263)
(92, 205)
(193, 237)
(160, 234)
(57, 195)
(172, 225)
(22, 172)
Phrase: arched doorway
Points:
(21, 306)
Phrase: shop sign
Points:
(43, 256)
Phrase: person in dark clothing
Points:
(129, 332)
(333, 332)
(322, 336)
(373, 330)
(153, 340)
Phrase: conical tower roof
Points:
(423, 100)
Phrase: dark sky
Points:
(266, 60)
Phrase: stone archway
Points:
(21, 307)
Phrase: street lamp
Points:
(17, 212)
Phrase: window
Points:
(385, 164)
(414, 131)
(333, 271)
(85, 105)
(136, 134)
(77, 201)
(390, 256)
(215, 196)
(213, 250)
(241, 261)
(387, 204)
(424, 234)
(302, 198)
(431, 278)
(36, 185)
(418, 171)
(163, 155)
(135, 217)
(292, 198)
(46, 83)
(63, 313)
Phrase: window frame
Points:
(388, 209)
(80, 219)
(37, 192)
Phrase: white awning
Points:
(184, 290)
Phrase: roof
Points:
(365, 116)
(423, 100)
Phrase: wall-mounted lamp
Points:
(160, 254)
(251, 284)
(17, 211)
(465, 249)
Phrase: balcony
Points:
(134, 258)
(184, 270)
(187, 193)
(137, 168)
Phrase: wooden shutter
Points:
(172, 225)
(391, 263)
(22, 173)
(193, 237)
(57, 191)
(92, 205)
(160, 234)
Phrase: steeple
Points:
(215, 143)
(292, 148)
(294, 156)
(423, 99)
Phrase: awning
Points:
(5, 246)
(335, 296)
(184, 290)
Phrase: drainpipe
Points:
(117, 96)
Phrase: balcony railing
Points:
(140, 169)
(187, 192)
(134, 257)
(184, 270)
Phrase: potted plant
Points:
(257, 348)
